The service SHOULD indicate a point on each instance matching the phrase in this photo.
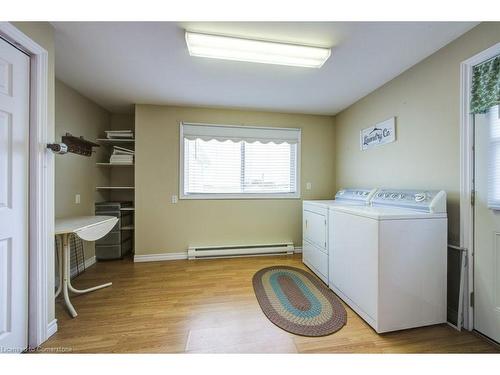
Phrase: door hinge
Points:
(472, 197)
(471, 299)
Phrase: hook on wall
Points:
(75, 145)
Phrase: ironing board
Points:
(88, 228)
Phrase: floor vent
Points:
(202, 252)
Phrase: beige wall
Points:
(121, 121)
(77, 174)
(425, 101)
(163, 227)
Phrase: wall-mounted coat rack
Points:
(75, 145)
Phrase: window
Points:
(493, 121)
(224, 162)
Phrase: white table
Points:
(88, 228)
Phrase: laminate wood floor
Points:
(209, 306)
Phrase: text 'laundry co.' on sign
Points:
(380, 134)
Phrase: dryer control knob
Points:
(420, 197)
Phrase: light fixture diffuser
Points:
(257, 51)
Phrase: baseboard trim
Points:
(51, 328)
(160, 257)
(173, 256)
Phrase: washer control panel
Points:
(359, 195)
(423, 200)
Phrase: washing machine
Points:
(315, 227)
(388, 261)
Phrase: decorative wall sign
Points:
(380, 134)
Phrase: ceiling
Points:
(118, 64)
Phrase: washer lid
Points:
(388, 213)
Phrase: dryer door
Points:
(315, 228)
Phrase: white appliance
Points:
(315, 227)
(388, 261)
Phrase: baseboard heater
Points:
(203, 252)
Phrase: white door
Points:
(14, 136)
(487, 225)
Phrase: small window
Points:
(238, 162)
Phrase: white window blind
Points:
(220, 161)
(493, 121)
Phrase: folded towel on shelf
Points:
(115, 134)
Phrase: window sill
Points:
(239, 196)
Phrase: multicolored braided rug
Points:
(298, 302)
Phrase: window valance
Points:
(237, 133)
(485, 85)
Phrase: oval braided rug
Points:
(298, 302)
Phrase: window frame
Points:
(240, 196)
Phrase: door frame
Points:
(41, 191)
(467, 174)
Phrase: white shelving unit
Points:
(114, 165)
(115, 188)
(115, 140)
(121, 188)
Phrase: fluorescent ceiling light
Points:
(258, 51)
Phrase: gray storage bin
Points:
(108, 252)
(117, 243)
(112, 238)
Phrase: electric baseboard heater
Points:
(203, 252)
